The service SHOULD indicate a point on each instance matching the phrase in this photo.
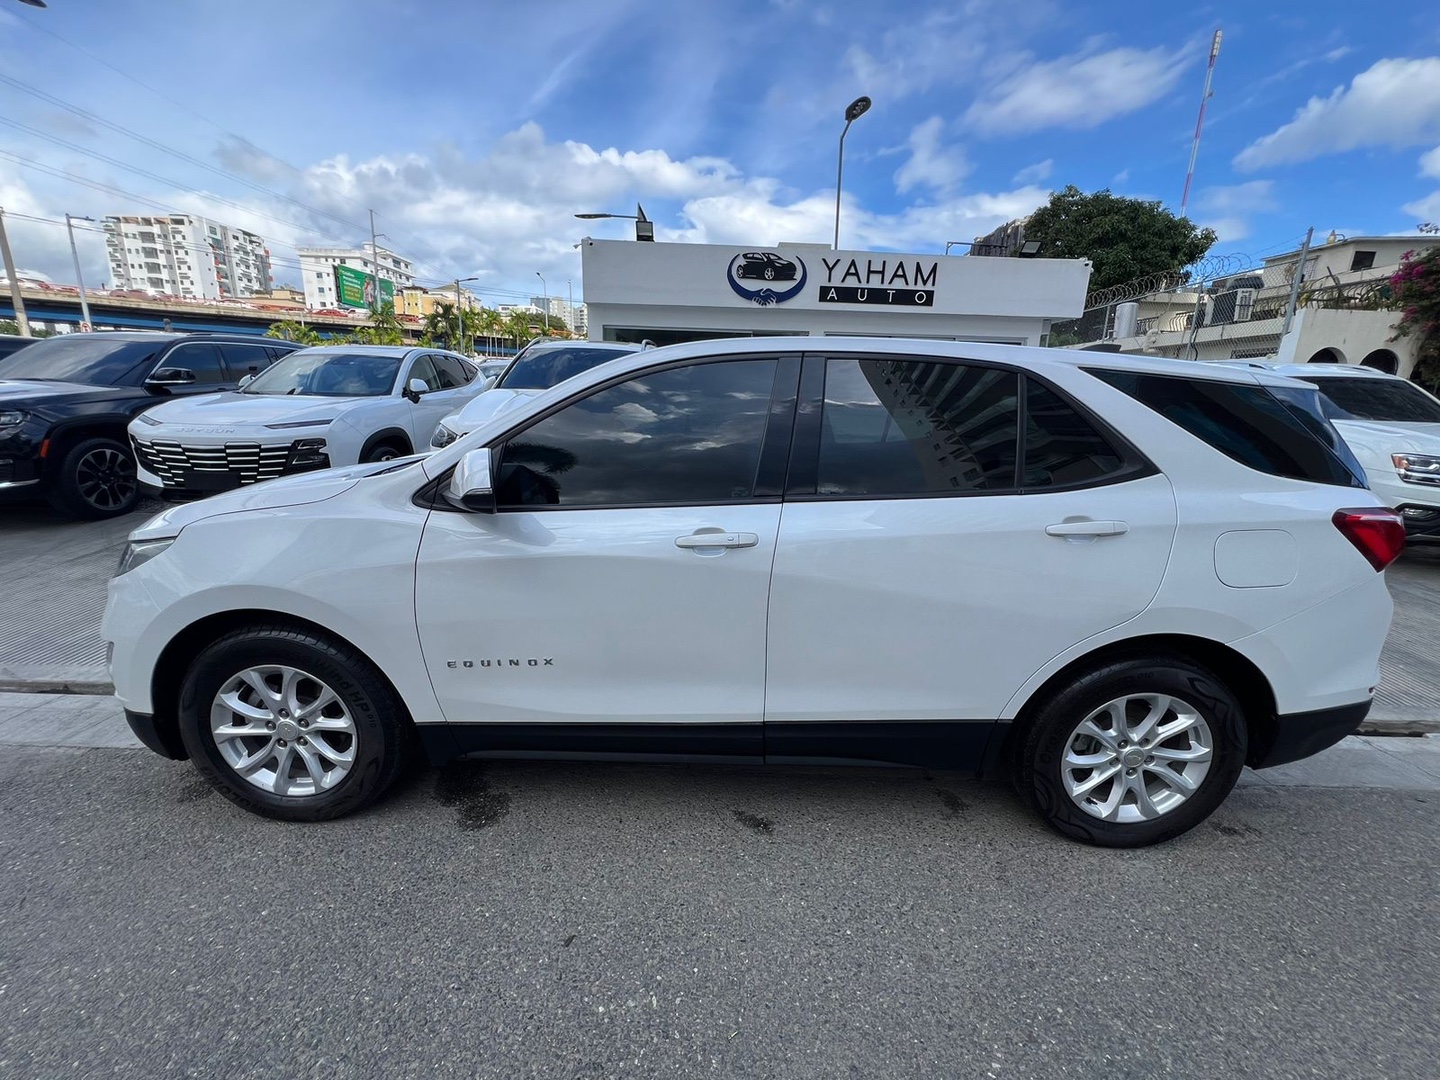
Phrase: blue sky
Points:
(476, 129)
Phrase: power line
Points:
(121, 129)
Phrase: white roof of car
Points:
(1324, 371)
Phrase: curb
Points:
(95, 688)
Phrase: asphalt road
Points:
(558, 920)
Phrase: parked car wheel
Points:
(1134, 753)
(291, 724)
(384, 451)
(96, 479)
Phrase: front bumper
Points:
(174, 469)
(1422, 523)
(1301, 735)
(21, 466)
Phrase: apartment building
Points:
(322, 282)
(185, 255)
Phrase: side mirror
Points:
(414, 388)
(247, 380)
(171, 376)
(470, 486)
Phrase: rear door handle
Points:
(1087, 528)
(717, 540)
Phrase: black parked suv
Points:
(65, 402)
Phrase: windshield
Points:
(550, 367)
(328, 374)
(1377, 399)
(80, 358)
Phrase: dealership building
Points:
(667, 293)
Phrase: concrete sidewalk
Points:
(78, 721)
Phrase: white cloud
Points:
(1426, 209)
(1251, 197)
(1120, 179)
(1034, 174)
(1394, 103)
(1079, 91)
(931, 164)
(1430, 163)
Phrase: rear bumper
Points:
(1299, 735)
(164, 739)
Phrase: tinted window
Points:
(902, 427)
(1061, 446)
(202, 358)
(424, 369)
(240, 359)
(322, 373)
(686, 436)
(1247, 423)
(544, 368)
(1378, 399)
(82, 358)
(453, 371)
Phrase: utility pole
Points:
(459, 318)
(375, 262)
(15, 298)
(1295, 282)
(85, 326)
(546, 290)
(571, 321)
(1200, 122)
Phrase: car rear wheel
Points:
(96, 479)
(1133, 753)
(292, 725)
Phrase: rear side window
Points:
(1254, 425)
(905, 427)
(1062, 448)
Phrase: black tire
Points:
(1039, 768)
(383, 451)
(95, 479)
(381, 744)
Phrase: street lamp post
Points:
(570, 288)
(460, 312)
(644, 227)
(85, 326)
(545, 291)
(853, 112)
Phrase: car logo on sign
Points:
(765, 267)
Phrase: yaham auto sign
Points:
(880, 281)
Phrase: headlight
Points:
(443, 437)
(146, 418)
(1417, 468)
(11, 418)
(308, 453)
(139, 552)
(300, 424)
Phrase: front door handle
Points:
(1087, 528)
(717, 540)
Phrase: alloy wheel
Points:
(105, 478)
(283, 730)
(1137, 758)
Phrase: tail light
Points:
(1377, 532)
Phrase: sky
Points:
(476, 129)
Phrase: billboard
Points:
(355, 288)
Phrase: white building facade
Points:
(667, 293)
(185, 255)
(317, 270)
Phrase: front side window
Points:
(908, 427)
(201, 358)
(424, 370)
(683, 436)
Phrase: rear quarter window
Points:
(1278, 433)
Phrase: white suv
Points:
(1393, 427)
(1124, 577)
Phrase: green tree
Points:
(289, 330)
(1124, 239)
(443, 325)
(9, 326)
(384, 328)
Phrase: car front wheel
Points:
(1133, 753)
(96, 479)
(292, 725)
